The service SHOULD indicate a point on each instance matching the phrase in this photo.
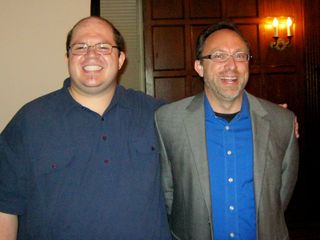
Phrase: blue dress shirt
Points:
(230, 156)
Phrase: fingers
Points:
(296, 127)
(284, 105)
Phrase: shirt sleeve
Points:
(11, 183)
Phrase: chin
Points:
(229, 95)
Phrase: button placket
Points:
(231, 187)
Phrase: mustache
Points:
(229, 73)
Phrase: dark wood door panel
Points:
(164, 86)
(205, 9)
(251, 32)
(160, 9)
(255, 85)
(168, 47)
(241, 8)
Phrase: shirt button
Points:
(230, 180)
(231, 208)
(229, 152)
(227, 128)
(104, 137)
(232, 235)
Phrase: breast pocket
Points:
(144, 145)
(52, 175)
(52, 162)
(145, 157)
(52, 172)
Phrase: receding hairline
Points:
(230, 31)
(117, 37)
(89, 19)
(99, 19)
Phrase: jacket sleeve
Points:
(290, 166)
(166, 173)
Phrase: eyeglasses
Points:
(223, 56)
(83, 48)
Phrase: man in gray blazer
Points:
(229, 159)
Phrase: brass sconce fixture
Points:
(282, 32)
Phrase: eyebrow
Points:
(226, 51)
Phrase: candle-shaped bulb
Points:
(275, 24)
(289, 24)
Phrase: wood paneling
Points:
(205, 9)
(195, 32)
(251, 31)
(160, 9)
(196, 85)
(255, 85)
(170, 41)
(241, 8)
(171, 33)
(280, 86)
(168, 47)
(311, 165)
(163, 88)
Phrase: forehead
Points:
(225, 39)
(92, 28)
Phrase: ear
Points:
(198, 67)
(66, 58)
(122, 58)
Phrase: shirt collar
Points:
(244, 111)
(119, 98)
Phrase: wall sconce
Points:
(284, 26)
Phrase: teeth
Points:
(92, 68)
(230, 78)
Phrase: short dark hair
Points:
(213, 28)
(118, 38)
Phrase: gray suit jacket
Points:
(185, 175)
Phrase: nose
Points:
(91, 51)
(230, 63)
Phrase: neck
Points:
(224, 106)
(95, 102)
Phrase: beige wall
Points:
(32, 49)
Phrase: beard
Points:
(226, 86)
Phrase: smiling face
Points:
(94, 73)
(224, 81)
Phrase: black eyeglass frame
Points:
(209, 56)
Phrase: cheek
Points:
(73, 62)
(213, 70)
(244, 69)
(74, 68)
(113, 60)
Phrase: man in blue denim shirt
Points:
(83, 162)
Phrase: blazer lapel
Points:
(260, 132)
(195, 128)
